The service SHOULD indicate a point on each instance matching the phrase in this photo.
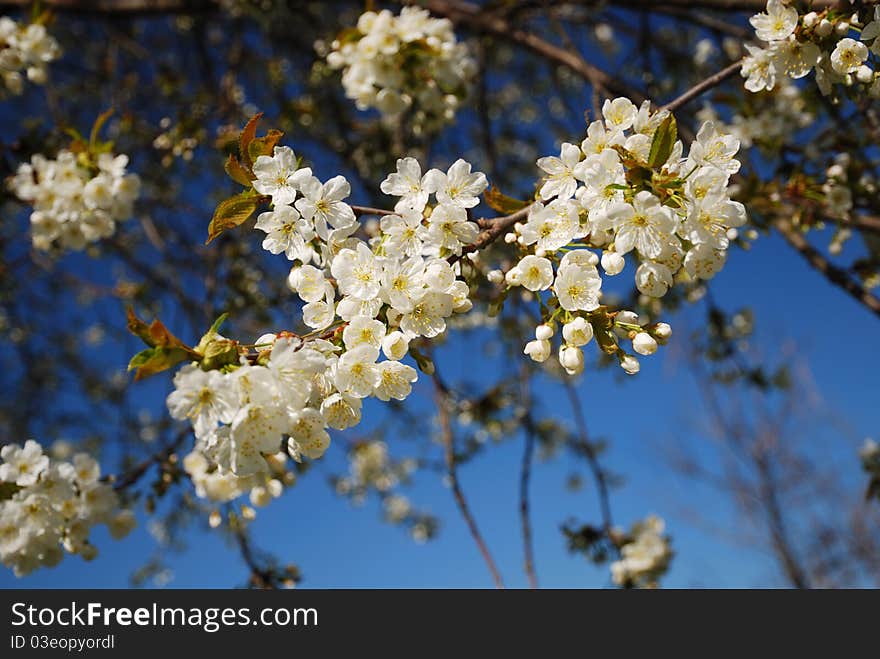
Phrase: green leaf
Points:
(500, 202)
(237, 172)
(155, 360)
(263, 146)
(664, 139)
(217, 323)
(233, 212)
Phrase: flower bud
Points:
(539, 351)
(810, 19)
(265, 342)
(612, 263)
(865, 74)
(513, 277)
(841, 29)
(260, 496)
(543, 332)
(395, 345)
(218, 354)
(644, 344)
(495, 276)
(824, 28)
(572, 359)
(629, 364)
(662, 332)
(578, 332)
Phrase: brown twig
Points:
(441, 397)
(702, 87)
(476, 18)
(524, 479)
(592, 459)
(367, 210)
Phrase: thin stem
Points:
(441, 397)
(592, 458)
(702, 87)
(524, 479)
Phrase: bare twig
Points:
(592, 459)
(702, 87)
(524, 478)
(441, 397)
(367, 210)
(476, 18)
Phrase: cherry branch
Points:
(702, 87)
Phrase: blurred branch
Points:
(128, 7)
(476, 18)
(592, 459)
(834, 274)
(441, 397)
(525, 477)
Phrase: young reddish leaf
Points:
(237, 172)
(155, 335)
(165, 350)
(264, 146)
(247, 135)
(502, 203)
(232, 212)
(138, 327)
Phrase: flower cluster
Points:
(49, 506)
(645, 555)
(627, 189)
(27, 48)
(76, 201)
(362, 300)
(798, 43)
(372, 468)
(409, 63)
(770, 120)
